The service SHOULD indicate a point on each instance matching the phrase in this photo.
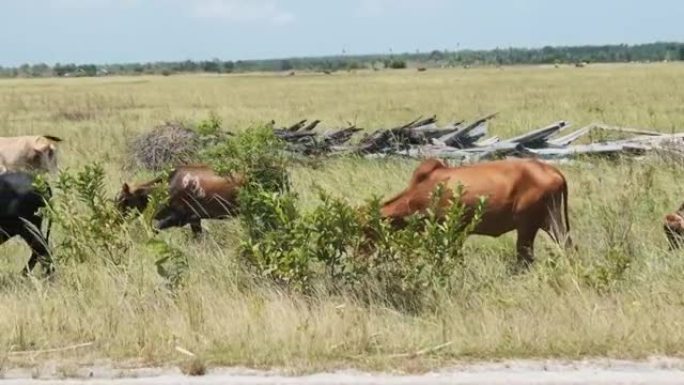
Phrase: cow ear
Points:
(126, 189)
(42, 147)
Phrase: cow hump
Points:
(426, 168)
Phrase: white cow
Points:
(28, 153)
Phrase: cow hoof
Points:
(522, 267)
(50, 272)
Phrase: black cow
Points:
(20, 202)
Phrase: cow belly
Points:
(9, 227)
(495, 223)
(523, 214)
(214, 208)
(507, 208)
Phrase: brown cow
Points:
(28, 153)
(196, 192)
(674, 228)
(521, 195)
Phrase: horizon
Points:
(350, 55)
(148, 31)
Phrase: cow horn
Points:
(52, 138)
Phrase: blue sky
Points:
(109, 31)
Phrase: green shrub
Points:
(274, 237)
(412, 264)
(172, 263)
(326, 246)
(395, 64)
(256, 153)
(620, 248)
(93, 227)
(209, 126)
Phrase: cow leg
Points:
(673, 237)
(196, 226)
(171, 218)
(39, 251)
(525, 245)
(4, 236)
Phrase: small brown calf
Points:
(196, 192)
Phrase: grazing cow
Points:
(196, 192)
(28, 153)
(674, 228)
(521, 195)
(20, 201)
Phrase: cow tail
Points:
(565, 205)
(47, 231)
(48, 197)
(568, 244)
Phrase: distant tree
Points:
(211, 66)
(509, 56)
(285, 65)
(40, 70)
(354, 65)
(395, 64)
(25, 70)
(436, 55)
(87, 70)
(64, 69)
(188, 66)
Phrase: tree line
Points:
(659, 51)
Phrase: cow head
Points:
(674, 229)
(43, 155)
(132, 198)
(371, 224)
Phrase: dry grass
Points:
(226, 318)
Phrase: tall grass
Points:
(620, 295)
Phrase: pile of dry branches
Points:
(173, 143)
(468, 142)
(167, 144)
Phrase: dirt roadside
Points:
(655, 371)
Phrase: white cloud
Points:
(90, 4)
(242, 11)
(245, 11)
(375, 8)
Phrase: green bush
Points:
(412, 264)
(95, 230)
(274, 241)
(256, 153)
(621, 244)
(93, 227)
(329, 247)
(395, 64)
(209, 126)
(172, 263)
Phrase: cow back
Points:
(202, 191)
(508, 186)
(34, 152)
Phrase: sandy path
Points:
(604, 372)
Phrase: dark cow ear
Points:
(126, 189)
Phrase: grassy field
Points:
(229, 319)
